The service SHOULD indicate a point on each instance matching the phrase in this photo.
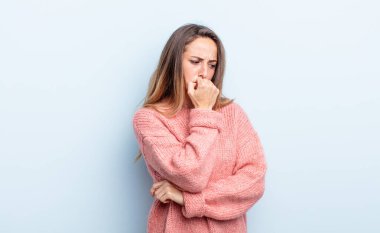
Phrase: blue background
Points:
(74, 72)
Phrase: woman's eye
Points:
(213, 66)
(194, 62)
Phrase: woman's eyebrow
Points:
(203, 59)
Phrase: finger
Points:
(164, 189)
(164, 198)
(158, 184)
(190, 88)
(161, 189)
(196, 80)
(202, 82)
(152, 191)
(191, 85)
(209, 83)
(158, 190)
(155, 186)
(160, 193)
(159, 196)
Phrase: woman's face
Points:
(199, 59)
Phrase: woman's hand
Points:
(202, 92)
(165, 191)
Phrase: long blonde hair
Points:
(167, 83)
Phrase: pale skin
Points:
(198, 64)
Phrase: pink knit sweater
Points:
(215, 157)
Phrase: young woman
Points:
(205, 158)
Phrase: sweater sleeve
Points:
(231, 197)
(186, 164)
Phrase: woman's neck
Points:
(187, 103)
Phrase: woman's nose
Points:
(203, 70)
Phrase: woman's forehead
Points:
(202, 48)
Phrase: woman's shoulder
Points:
(144, 110)
(147, 121)
(157, 113)
(160, 112)
(144, 114)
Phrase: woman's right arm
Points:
(188, 165)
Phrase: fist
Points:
(202, 92)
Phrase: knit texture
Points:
(215, 158)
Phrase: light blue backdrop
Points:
(72, 73)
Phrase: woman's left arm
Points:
(231, 197)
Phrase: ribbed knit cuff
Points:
(193, 204)
(206, 118)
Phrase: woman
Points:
(205, 158)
